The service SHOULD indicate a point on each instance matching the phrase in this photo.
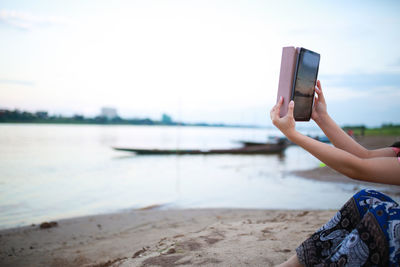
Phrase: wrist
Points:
(322, 118)
(291, 135)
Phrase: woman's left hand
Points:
(285, 124)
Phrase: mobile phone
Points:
(298, 75)
(304, 81)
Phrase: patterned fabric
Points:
(365, 232)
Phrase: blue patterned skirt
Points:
(364, 232)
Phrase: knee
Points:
(371, 194)
(364, 193)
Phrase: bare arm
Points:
(336, 135)
(342, 140)
(380, 169)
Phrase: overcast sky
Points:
(208, 61)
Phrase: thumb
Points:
(291, 108)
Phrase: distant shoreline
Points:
(134, 124)
(42, 117)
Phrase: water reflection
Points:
(57, 171)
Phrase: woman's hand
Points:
(319, 110)
(285, 124)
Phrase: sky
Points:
(196, 60)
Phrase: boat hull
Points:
(255, 149)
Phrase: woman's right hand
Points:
(286, 124)
(319, 110)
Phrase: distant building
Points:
(109, 113)
(166, 119)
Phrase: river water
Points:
(49, 172)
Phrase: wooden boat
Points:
(281, 141)
(253, 150)
(250, 143)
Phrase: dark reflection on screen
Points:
(304, 85)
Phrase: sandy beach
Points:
(159, 237)
(205, 237)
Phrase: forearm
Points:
(339, 160)
(340, 139)
(378, 170)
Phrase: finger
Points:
(319, 85)
(320, 94)
(271, 113)
(280, 101)
(272, 110)
(315, 101)
(276, 110)
(279, 105)
(290, 109)
(274, 107)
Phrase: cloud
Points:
(17, 82)
(372, 108)
(340, 94)
(369, 99)
(363, 81)
(27, 21)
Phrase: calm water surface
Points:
(49, 172)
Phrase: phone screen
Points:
(304, 84)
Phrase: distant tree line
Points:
(17, 116)
(389, 129)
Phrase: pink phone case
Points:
(288, 65)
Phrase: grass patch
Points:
(384, 130)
